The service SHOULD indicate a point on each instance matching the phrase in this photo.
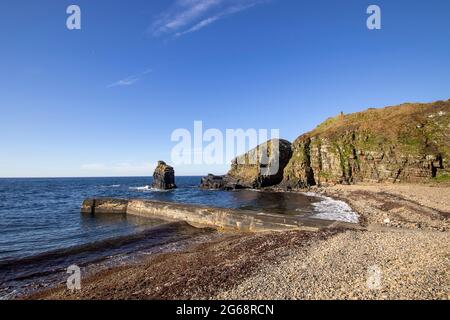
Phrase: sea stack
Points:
(164, 177)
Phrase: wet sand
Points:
(404, 253)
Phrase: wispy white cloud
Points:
(186, 16)
(130, 80)
(198, 26)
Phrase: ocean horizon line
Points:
(96, 177)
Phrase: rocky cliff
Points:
(405, 143)
(261, 167)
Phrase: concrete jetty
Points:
(203, 217)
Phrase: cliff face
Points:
(261, 167)
(405, 143)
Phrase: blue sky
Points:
(104, 100)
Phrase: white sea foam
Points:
(112, 186)
(142, 189)
(147, 189)
(330, 209)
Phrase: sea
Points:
(42, 232)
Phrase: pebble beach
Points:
(402, 253)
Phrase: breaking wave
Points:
(141, 189)
(331, 209)
(147, 189)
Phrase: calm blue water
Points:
(43, 215)
(42, 231)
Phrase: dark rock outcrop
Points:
(213, 182)
(164, 177)
(405, 143)
(225, 182)
(261, 167)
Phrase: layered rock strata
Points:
(164, 177)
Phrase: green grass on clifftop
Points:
(413, 127)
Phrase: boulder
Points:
(213, 182)
(226, 182)
(164, 177)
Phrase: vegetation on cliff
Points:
(408, 143)
(404, 143)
